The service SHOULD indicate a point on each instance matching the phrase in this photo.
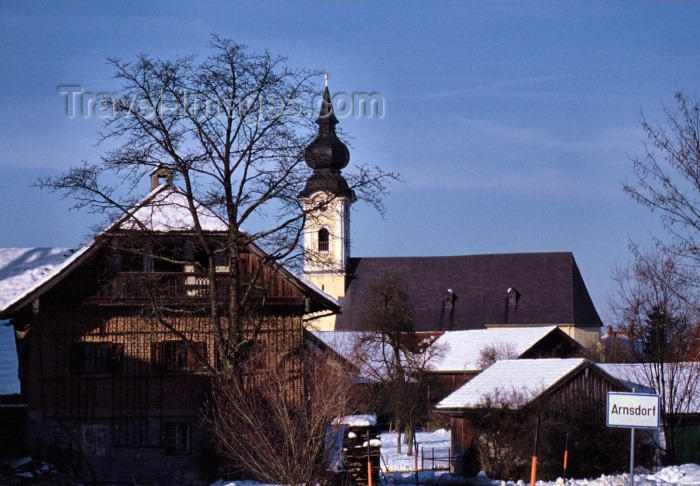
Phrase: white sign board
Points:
(633, 410)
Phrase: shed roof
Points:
(550, 291)
(511, 382)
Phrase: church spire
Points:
(327, 199)
(327, 155)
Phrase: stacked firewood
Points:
(356, 442)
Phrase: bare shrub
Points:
(491, 353)
(504, 437)
(263, 429)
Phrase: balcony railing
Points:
(127, 287)
(145, 285)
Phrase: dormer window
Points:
(323, 240)
(513, 296)
(448, 298)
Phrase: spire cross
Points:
(326, 77)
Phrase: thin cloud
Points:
(546, 182)
(623, 138)
(501, 88)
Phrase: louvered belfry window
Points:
(323, 240)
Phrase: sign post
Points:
(634, 411)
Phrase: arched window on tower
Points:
(323, 238)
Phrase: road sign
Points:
(633, 410)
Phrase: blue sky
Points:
(511, 123)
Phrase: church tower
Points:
(327, 199)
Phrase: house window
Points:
(132, 260)
(176, 355)
(96, 358)
(95, 438)
(168, 259)
(176, 437)
(323, 237)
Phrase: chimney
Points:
(161, 175)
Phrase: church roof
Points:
(547, 289)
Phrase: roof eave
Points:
(79, 257)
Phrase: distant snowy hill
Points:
(8, 361)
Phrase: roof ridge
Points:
(558, 253)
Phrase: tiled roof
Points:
(550, 291)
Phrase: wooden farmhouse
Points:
(100, 374)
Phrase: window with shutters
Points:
(96, 358)
(176, 355)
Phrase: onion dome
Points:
(327, 155)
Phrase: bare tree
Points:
(668, 176)
(656, 306)
(397, 358)
(657, 296)
(491, 353)
(227, 134)
(232, 129)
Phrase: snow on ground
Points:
(402, 467)
(688, 474)
(438, 441)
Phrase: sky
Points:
(512, 124)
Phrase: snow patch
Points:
(357, 421)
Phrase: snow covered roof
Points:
(23, 269)
(167, 209)
(342, 342)
(461, 350)
(681, 376)
(512, 382)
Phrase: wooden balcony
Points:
(130, 288)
